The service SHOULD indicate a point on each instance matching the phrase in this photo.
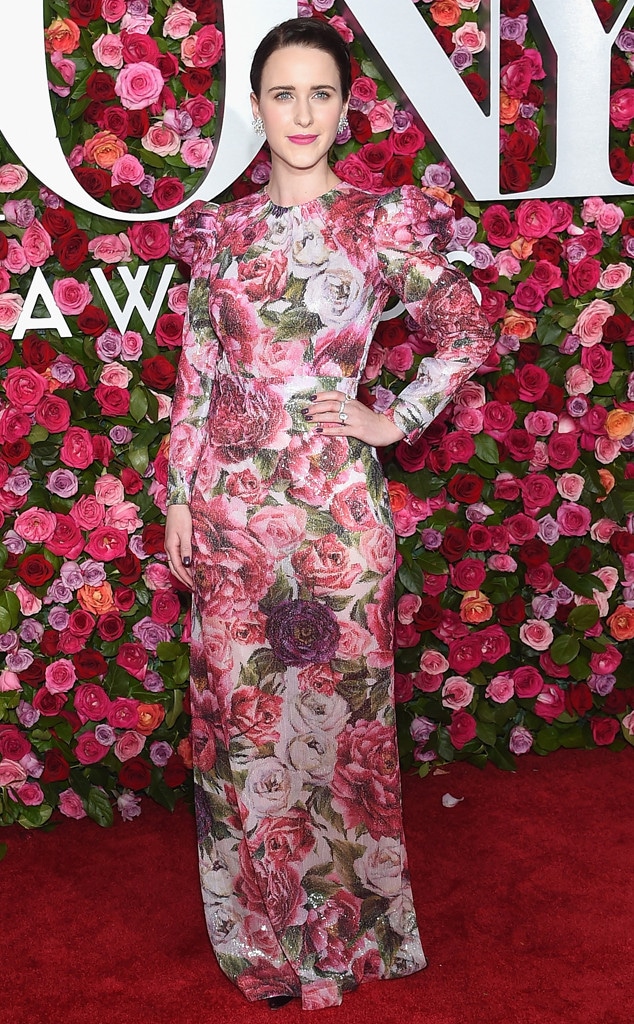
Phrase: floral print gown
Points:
(302, 859)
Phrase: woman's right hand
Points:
(178, 543)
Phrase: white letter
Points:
(26, 117)
(134, 300)
(39, 289)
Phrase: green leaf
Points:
(487, 449)
(584, 585)
(176, 709)
(564, 649)
(432, 562)
(411, 576)
(548, 738)
(34, 817)
(168, 650)
(139, 459)
(138, 404)
(487, 732)
(99, 808)
(584, 617)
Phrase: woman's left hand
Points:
(372, 427)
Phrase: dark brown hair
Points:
(310, 32)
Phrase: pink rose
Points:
(573, 520)
(108, 51)
(197, 152)
(469, 37)
(606, 450)
(127, 169)
(551, 702)
(113, 10)
(534, 218)
(381, 116)
(590, 322)
(139, 85)
(9, 681)
(279, 532)
(15, 260)
(457, 693)
(570, 486)
(537, 634)
(607, 661)
(71, 296)
(162, 140)
(70, 804)
(377, 548)
(207, 50)
(578, 381)
(178, 22)
(540, 423)
(622, 108)
(35, 525)
(37, 245)
(110, 248)
(30, 794)
(500, 689)
(609, 218)
(60, 676)
(128, 745)
(12, 177)
(615, 275)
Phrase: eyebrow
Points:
(290, 88)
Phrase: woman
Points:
(278, 504)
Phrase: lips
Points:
(302, 140)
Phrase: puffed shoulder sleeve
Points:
(410, 230)
(193, 242)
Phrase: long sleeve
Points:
(193, 241)
(409, 227)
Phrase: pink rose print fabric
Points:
(302, 859)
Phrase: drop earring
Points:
(258, 125)
(343, 125)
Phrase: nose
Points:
(303, 113)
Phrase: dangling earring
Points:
(343, 124)
(258, 125)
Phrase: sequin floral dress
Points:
(302, 859)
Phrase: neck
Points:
(286, 189)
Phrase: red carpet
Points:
(524, 895)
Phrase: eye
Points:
(284, 94)
(322, 94)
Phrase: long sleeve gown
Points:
(302, 859)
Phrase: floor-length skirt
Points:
(302, 858)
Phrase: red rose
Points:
(124, 598)
(583, 276)
(466, 487)
(133, 658)
(513, 8)
(506, 389)
(604, 730)
(48, 704)
(169, 330)
(13, 744)
(111, 626)
(579, 559)
(125, 197)
(35, 570)
(131, 480)
(167, 65)
(533, 552)
(57, 222)
(100, 86)
(49, 644)
(166, 607)
(84, 11)
(128, 566)
(158, 373)
(512, 612)
(462, 729)
(92, 321)
(619, 327)
(617, 701)
(444, 37)
(429, 615)
(520, 146)
(547, 249)
(533, 381)
(106, 543)
(115, 120)
(93, 180)
(93, 114)
(562, 450)
(168, 192)
(391, 333)
(153, 538)
(113, 401)
(67, 540)
(138, 125)
(412, 457)
(620, 164)
(465, 654)
(37, 353)
(135, 774)
(15, 452)
(4, 245)
(149, 240)
(578, 699)
(174, 772)
(398, 171)
(196, 81)
(454, 543)
(515, 175)
(359, 126)
(552, 400)
(53, 413)
(71, 249)
(138, 47)
(510, 51)
(56, 767)
(103, 449)
(89, 664)
(476, 86)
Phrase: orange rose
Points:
(520, 324)
(607, 480)
(184, 749)
(104, 148)
(445, 12)
(96, 600)
(619, 424)
(509, 109)
(475, 607)
(522, 247)
(62, 36)
(150, 717)
(399, 495)
(621, 623)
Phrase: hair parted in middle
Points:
(309, 32)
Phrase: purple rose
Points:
(301, 632)
(520, 740)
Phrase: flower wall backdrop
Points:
(515, 512)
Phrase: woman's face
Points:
(301, 104)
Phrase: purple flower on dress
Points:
(302, 632)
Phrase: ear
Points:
(255, 106)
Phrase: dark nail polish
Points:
(319, 430)
(187, 560)
(308, 416)
(313, 398)
(305, 411)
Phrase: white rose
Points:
(309, 250)
(314, 712)
(313, 754)
(270, 788)
(380, 868)
(337, 294)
